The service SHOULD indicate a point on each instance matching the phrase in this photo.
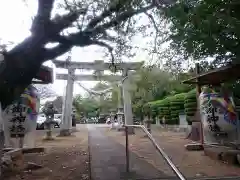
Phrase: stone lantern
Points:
(147, 118)
(120, 118)
(120, 115)
(112, 116)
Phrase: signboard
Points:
(19, 119)
(45, 75)
(218, 116)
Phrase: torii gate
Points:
(99, 66)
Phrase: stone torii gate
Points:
(99, 66)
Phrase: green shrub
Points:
(190, 104)
(163, 109)
(171, 106)
(176, 106)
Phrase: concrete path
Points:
(108, 160)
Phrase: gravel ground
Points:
(191, 164)
(65, 159)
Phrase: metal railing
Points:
(159, 149)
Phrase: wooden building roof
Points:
(217, 76)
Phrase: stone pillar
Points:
(66, 124)
(112, 114)
(120, 114)
(1, 139)
(127, 102)
(157, 120)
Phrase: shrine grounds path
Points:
(192, 164)
(95, 152)
(108, 159)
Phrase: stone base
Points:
(194, 134)
(48, 135)
(12, 162)
(48, 138)
(27, 150)
(32, 166)
(74, 129)
(222, 153)
(113, 128)
(194, 147)
(65, 132)
(121, 129)
(130, 131)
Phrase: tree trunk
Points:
(1, 149)
(16, 73)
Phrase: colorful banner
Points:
(218, 115)
(19, 118)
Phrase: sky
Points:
(15, 18)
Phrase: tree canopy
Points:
(205, 28)
(68, 23)
(198, 29)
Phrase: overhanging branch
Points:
(51, 53)
(65, 44)
(151, 18)
(62, 22)
(105, 45)
(107, 12)
(120, 18)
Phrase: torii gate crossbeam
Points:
(109, 78)
(98, 66)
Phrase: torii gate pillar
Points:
(66, 125)
(127, 102)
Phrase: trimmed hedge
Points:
(171, 106)
(190, 104)
(164, 109)
(176, 106)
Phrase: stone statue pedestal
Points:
(65, 132)
(148, 123)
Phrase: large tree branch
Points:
(74, 40)
(23, 62)
(43, 16)
(83, 38)
(151, 18)
(105, 45)
(61, 22)
(66, 43)
(120, 18)
(107, 12)
(52, 53)
(36, 42)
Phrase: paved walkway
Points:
(108, 160)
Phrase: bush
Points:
(171, 106)
(190, 104)
(152, 108)
(168, 108)
(176, 106)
